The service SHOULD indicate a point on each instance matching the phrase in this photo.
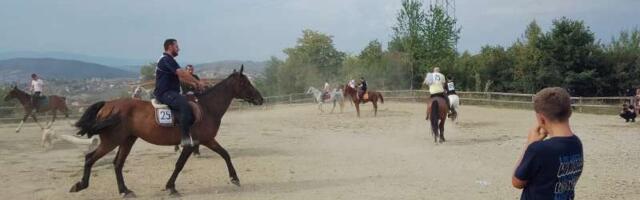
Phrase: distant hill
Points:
(225, 67)
(20, 69)
(108, 61)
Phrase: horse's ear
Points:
(241, 68)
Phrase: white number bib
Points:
(164, 116)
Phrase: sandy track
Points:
(293, 152)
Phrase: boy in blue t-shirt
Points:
(550, 169)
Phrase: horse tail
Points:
(88, 123)
(381, 99)
(435, 115)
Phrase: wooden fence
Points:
(600, 105)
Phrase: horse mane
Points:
(213, 89)
(20, 92)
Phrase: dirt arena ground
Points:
(294, 152)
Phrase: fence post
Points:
(290, 98)
(580, 104)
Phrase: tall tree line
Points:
(567, 55)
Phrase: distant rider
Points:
(363, 89)
(37, 86)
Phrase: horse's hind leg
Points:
(53, 119)
(184, 156)
(89, 160)
(442, 130)
(375, 108)
(35, 119)
(118, 163)
(215, 146)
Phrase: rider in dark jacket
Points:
(363, 88)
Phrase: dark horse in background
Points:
(119, 123)
(373, 98)
(437, 114)
(51, 104)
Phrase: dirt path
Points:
(293, 152)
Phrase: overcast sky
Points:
(210, 30)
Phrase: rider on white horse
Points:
(451, 95)
(326, 89)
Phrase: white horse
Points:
(454, 103)
(335, 96)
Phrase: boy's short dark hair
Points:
(169, 42)
(554, 103)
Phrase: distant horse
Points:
(437, 114)
(53, 103)
(454, 103)
(121, 122)
(335, 96)
(373, 97)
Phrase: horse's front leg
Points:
(184, 156)
(33, 115)
(214, 146)
(24, 118)
(334, 106)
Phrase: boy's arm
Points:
(515, 181)
(525, 163)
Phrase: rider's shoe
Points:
(188, 141)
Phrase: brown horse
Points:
(373, 98)
(121, 122)
(54, 104)
(437, 114)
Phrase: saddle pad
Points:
(156, 104)
(164, 117)
(366, 95)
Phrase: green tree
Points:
(148, 71)
(569, 59)
(441, 37)
(526, 57)
(408, 36)
(623, 56)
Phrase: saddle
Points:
(42, 101)
(165, 116)
(325, 96)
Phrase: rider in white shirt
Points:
(436, 82)
(326, 89)
(37, 86)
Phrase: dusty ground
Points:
(293, 152)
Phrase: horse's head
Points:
(309, 91)
(12, 94)
(243, 88)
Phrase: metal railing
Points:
(608, 105)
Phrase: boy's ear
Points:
(541, 119)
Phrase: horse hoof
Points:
(235, 181)
(172, 192)
(128, 194)
(77, 187)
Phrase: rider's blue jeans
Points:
(179, 103)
